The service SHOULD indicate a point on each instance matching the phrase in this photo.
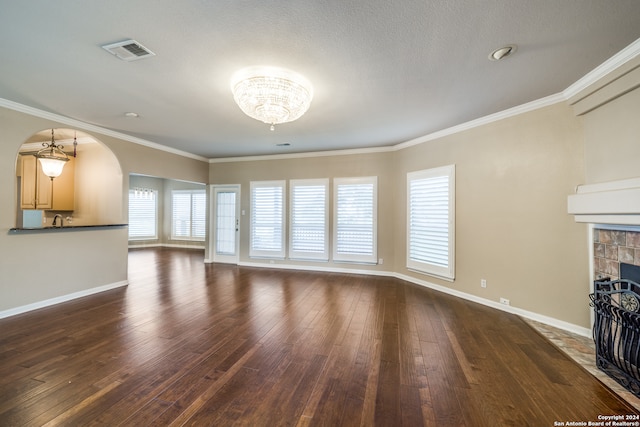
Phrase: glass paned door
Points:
(226, 223)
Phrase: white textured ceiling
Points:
(384, 72)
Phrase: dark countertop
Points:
(65, 228)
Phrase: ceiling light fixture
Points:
(271, 95)
(52, 158)
(502, 52)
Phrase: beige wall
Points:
(513, 177)
(612, 143)
(315, 167)
(98, 186)
(512, 227)
(43, 266)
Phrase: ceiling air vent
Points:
(128, 50)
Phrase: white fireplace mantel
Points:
(616, 202)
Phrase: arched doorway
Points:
(88, 192)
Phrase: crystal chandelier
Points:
(271, 95)
(52, 158)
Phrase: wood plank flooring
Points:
(188, 343)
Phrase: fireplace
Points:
(616, 303)
(613, 248)
(613, 209)
(616, 330)
(630, 272)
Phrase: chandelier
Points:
(52, 158)
(271, 95)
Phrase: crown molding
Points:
(622, 57)
(11, 105)
(520, 109)
(607, 67)
(358, 151)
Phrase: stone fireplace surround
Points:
(612, 247)
(613, 209)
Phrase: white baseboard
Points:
(316, 268)
(560, 324)
(177, 245)
(556, 323)
(165, 245)
(145, 245)
(60, 299)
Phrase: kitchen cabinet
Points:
(38, 191)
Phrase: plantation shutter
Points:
(308, 220)
(143, 207)
(355, 236)
(267, 219)
(430, 221)
(188, 214)
(180, 215)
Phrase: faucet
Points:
(55, 217)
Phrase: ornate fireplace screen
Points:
(616, 331)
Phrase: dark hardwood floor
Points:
(188, 343)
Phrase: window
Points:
(143, 212)
(308, 231)
(355, 216)
(430, 221)
(267, 219)
(188, 214)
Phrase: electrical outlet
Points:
(483, 283)
(380, 261)
(504, 301)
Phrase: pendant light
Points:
(52, 158)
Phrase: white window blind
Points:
(143, 212)
(355, 216)
(430, 221)
(308, 226)
(188, 214)
(267, 219)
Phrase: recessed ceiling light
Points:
(502, 53)
(132, 115)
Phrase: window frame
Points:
(256, 252)
(300, 254)
(371, 258)
(446, 272)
